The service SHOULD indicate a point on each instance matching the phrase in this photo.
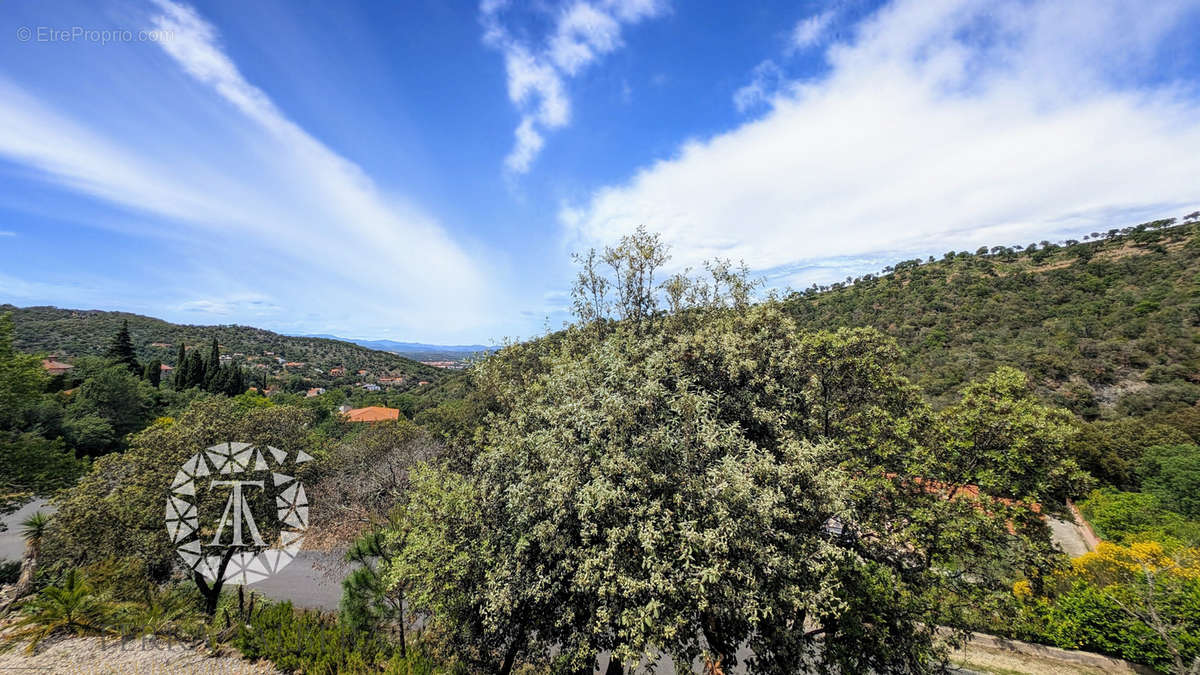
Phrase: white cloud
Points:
(529, 143)
(6, 233)
(582, 33)
(765, 82)
(811, 30)
(248, 304)
(920, 140)
(274, 213)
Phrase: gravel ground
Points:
(95, 656)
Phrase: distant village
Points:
(272, 373)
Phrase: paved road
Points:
(1068, 537)
(12, 547)
(307, 582)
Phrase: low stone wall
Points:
(1105, 664)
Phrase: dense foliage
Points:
(72, 333)
(116, 510)
(694, 482)
(1108, 324)
(1139, 602)
(309, 642)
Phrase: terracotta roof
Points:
(52, 365)
(374, 413)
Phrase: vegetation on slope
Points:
(1111, 324)
(69, 332)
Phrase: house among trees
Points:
(337, 371)
(55, 367)
(374, 413)
(315, 391)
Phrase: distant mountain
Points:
(418, 351)
(73, 332)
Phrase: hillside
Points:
(1109, 323)
(418, 351)
(70, 333)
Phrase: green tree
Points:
(212, 367)
(116, 509)
(367, 603)
(1137, 516)
(31, 466)
(1110, 450)
(121, 350)
(22, 378)
(1008, 442)
(90, 434)
(1172, 474)
(153, 372)
(180, 374)
(115, 396)
(717, 483)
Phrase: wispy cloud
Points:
(811, 30)
(581, 33)
(241, 305)
(6, 233)
(920, 138)
(764, 83)
(300, 225)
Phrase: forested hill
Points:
(1110, 322)
(69, 333)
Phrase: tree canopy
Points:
(690, 483)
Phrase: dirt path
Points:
(95, 656)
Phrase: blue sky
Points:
(421, 170)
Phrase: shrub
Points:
(1124, 517)
(1172, 474)
(1140, 602)
(69, 607)
(1109, 450)
(309, 642)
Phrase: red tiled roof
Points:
(374, 413)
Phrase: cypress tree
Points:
(121, 349)
(212, 370)
(195, 371)
(154, 372)
(180, 366)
